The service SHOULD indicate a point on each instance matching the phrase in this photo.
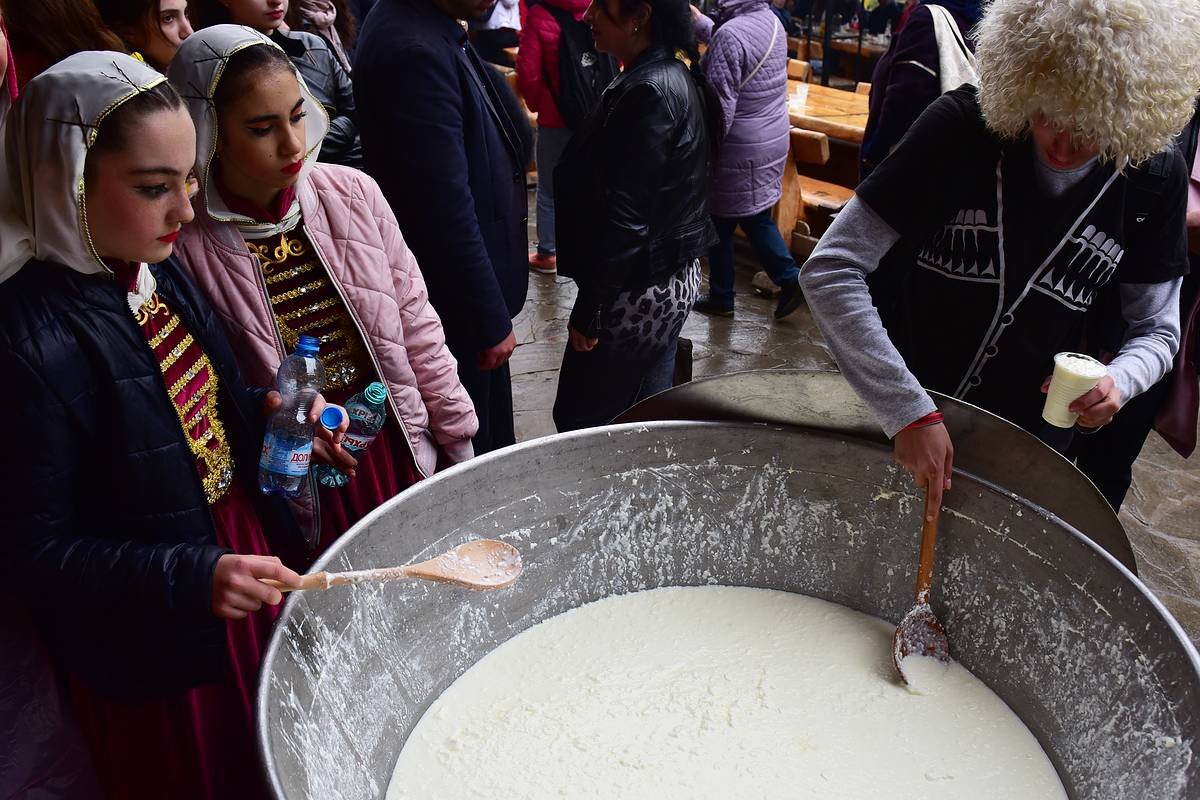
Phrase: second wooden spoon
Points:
(481, 564)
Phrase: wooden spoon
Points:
(481, 564)
(920, 633)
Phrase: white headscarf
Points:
(43, 212)
(195, 72)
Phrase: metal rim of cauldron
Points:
(262, 691)
(823, 400)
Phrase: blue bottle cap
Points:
(332, 417)
(308, 346)
(375, 393)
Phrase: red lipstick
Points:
(170, 237)
(292, 169)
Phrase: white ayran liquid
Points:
(715, 692)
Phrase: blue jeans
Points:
(550, 145)
(772, 251)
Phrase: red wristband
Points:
(932, 418)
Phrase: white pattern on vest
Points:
(966, 249)
(1076, 276)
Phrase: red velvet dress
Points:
(305, 301)
(198, 743)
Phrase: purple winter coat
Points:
(747, 175)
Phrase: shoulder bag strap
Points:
(766, 55)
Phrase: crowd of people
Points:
(186, 189)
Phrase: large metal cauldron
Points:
(1061, 630)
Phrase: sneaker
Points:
(713, 308)
(763, 284)
(543, 265)
(790, 299)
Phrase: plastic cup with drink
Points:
(1074, 376)
(798, 99)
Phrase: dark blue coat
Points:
(446, 153)
(104, 526)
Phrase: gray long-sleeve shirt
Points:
(834, 283)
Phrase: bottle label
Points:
(357, 443)
(285, 460)
(365, 416)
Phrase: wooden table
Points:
(855, 65)
(850, 46)
(833, 112)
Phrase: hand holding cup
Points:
(1076, 377)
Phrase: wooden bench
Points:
(824, 196)
(813, 202)
(798, 70)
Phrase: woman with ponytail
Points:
(630, 212)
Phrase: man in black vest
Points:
(994, 232)
(438, 137)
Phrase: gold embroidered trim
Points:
(322, 322)
(312, 309)
(170, 358)
(287, 248)
(186, 378)
(292, 272)
(164, 332)
(201, 392)
(150, 308)
(291, 336)
(336, 354)
(340, 367)
(299, 291)
(203, 439)
(218, 461)
(195, 419)
(326, 338)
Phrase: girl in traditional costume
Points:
(131, 523)
(285, 246)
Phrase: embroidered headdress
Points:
(195, 72)
(43, 206)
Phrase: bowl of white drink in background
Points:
(1074, 376)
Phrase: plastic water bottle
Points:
(287, 447)
(367, 412)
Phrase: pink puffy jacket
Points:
(355, 235)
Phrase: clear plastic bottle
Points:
(287, 447)
(368, 412)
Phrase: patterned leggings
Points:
(635, 357)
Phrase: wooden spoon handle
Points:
(313, 580)
(929, 531)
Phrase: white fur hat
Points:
(1122, 74)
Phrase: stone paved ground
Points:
(1162, 515)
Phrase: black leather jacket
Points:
(630, 188)
(329, 82)
(106, 533)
